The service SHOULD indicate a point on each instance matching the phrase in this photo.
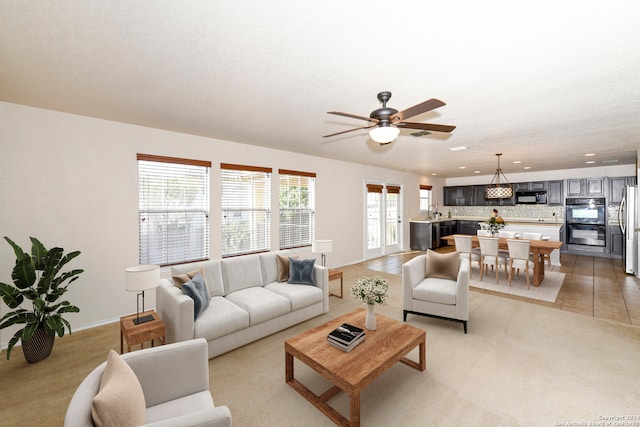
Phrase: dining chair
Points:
(507, 234)
(483, 233)
(518, 257)
(537, 236)
(464, 246)
(490, 256)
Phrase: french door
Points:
(383, 217)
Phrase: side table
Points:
(139, 334)
(334, 275)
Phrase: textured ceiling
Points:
(544, 82)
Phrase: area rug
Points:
(547, 291)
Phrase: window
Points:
(425, 198)
(374, 211)
(246, 196)
(173, 209)
(297, 208)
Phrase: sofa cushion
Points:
(186, 405)
(120, 401)
(299, 296)
(221, 317)
(443, 266)
(301, 271)
(441, 291)
(212, 274)
(269, 264)
(197, 290)
(181, 279)
(241, 272)
(261, 304)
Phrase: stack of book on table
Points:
(346, 336)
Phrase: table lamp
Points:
(322, 247)
(139, 279)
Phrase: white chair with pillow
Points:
(464, 246)
(166, 385)
(518, 257)
(490, 256)
(436, 285)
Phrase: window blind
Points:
(297, 208)
(173, 209)
(246, 196)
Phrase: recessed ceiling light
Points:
(460, 148)
(590, 162)
(476, 171)
(610, 161)
(590, 154)
(517, 161)
(527, 167)
(434, 174)
(463, 167)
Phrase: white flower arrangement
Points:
(371, 290)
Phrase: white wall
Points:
(71, 181)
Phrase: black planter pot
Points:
(38, 347)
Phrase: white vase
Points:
(370, 321)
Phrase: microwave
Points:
(531, 198)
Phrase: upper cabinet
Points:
(591, 187)
(530, 186)
(555, 196)
(461, 195)
(617, 186)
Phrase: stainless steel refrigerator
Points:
(628, 219)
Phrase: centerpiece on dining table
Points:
(371, 291)
(495, 223)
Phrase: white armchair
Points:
(426, 294)
(175, 382)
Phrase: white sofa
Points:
(247, 301)
(175, 382)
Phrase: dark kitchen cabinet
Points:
(461, 195)
(617, 186)
(447, 228)
(530, 186)
(468, 227)
(591, 187)
(616, 240)
(555, 197)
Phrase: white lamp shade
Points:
(384, 134)
(142, 277)
(499, 192)
(321, 246)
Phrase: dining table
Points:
(539, 248)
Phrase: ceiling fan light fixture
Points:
(384, 134)
(498, 190)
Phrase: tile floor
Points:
(592, 286)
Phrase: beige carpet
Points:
(547, 291)
(521, 364)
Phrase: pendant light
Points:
(498, 189)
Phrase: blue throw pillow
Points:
(301, 271)
(197, 290)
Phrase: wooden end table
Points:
(334, 275)
(352, 371)
(139, 334)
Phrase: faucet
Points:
(431, 211)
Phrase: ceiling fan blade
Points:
(425, 126)
(353, 116)
(423, 107)
(350, 130)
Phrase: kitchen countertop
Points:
(512, 221)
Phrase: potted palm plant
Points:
(38, 279)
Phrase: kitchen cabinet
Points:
(617, 186)
(616, 240)
(590, 187)
(555, 197)
(461, 195)
(468, 227)
(530, 186)
(447, 228)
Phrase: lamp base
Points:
(143, 319)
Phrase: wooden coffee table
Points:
(351, 372)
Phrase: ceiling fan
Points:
(385, 123)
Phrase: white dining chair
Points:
(484, 233)
(490, 256)
(537, 236)
(518, 257)
(464, 246)
(507, 234)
